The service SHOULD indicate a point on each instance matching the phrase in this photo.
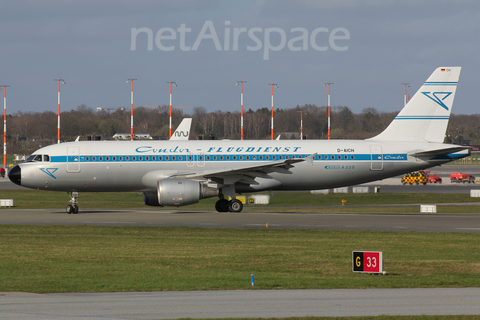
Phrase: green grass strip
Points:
(115, 259)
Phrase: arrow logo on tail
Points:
(438, 97)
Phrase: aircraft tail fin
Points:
(183, 130)
(426, 115)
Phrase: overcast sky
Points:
(366, 48)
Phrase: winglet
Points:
(310, 158)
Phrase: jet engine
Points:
(178, 192)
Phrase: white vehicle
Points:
(178, 173)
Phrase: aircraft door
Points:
(190, 159)
(73, 159)
(201, 159)
(376, 158)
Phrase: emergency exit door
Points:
(73, 159)
(376, 158)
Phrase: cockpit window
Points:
(39, 157)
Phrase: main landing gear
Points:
(223, 205)
(73, 208)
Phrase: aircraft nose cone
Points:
(15, 175)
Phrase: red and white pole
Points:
(301, 125)
(328, 107)
(5, 125)
(170, 121)
(131, 108)
(272, 84)
(58, 116)
(241, 104)
(405, 94)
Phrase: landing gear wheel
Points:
(235, 206)
(222, 205)
(73, 207)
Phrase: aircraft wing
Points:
(247, 174)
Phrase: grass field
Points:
(110, 259)
(113, 259)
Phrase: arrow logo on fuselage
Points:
(49, 171)
(438, 97)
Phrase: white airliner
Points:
(178, 173)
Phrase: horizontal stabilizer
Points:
(440, 152)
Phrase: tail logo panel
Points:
(438, 97)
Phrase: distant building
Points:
(136, 136)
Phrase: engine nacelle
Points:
(178, 192)
(150, 198)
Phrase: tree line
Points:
(27, 131)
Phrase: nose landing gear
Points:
(73, 208)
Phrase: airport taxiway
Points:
(240, 304)
(247, 219)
